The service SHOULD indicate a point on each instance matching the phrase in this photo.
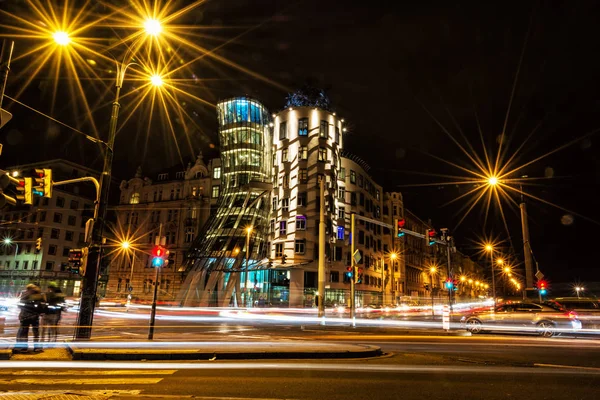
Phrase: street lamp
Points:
(492, 181)
(61, 38)
(432, 271)
(490, 249)
(393, 257)
(248, 232)
(88, 294)
(152, 27)
(7, 241)
(156, 80)
(579, 289)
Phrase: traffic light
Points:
(359, 275)
(426, 287)
(75, 258)
(542, 286)
(349, 272)
(5, 182)
(83, 262)
(449, 284)
(430, 237)
(25, 191)
(399, 224)
(43, 182)
(158, 256)
(38, 244)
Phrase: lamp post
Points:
(87, 303)
(578, 289)
(489, 248)
(393, 257)
(248, 232)
(432, 271)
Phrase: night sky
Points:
(412, 79)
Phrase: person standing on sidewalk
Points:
(31, 305)
(55, 300)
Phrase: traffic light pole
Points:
(354, 271)
(153, 312)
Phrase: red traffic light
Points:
(158, 251)
(401, 223)
(349, 269)
(431, 233)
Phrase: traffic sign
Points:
(357, 256)
(539, 275)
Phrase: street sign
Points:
(539, 275)
(357, 257)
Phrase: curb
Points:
(378, 331)
(179, 354)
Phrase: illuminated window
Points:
(341, 193)
(217, 173)
(324, 130)
(352, 176)
(322, 154)
(215, 191)
(342, 175)
(340, 232)
(285, 205)
(303, 152)
(274, 203)
(283, 130)
(163, 177)
(300, 223)
(303, 175)
(282, 228)
(303, 127)
(341, 213)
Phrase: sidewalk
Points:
(216, 350)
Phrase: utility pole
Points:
(321, 274)
(526, 243)
(5, 57)
(448, 239)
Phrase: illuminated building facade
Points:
(230, 254)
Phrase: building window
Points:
(278, 249)
(285, 181)
(283, 130)
(360, 180)
(342, 193)
(42, 216)
(303, 127)
(49, 265)
(299, 246)
(324, 130)
(57, 218)
(284, 155)
(189, 235)
(66, 252)
(215, 191)
(74, 204)
(180, 175)
(303, 175)
(34, 264)
(341, 213)
(337, 135)
(54, 234)
(217, 173)
(163, 177)
(303, 152)
(352, 176)
(275, 203)
(285, 205)
(340, 232)
(322, 154)
(69, 236)
(282, 228)
(301, 200)
(26, 264)
(52, 250)
(135, 198)
(300, 223)
(334, 276)
(60, 202)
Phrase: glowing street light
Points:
(492, 181)
(125, 245)
(152, 27)
(61, 38)
(432, 270)
(7, 240)
(577, 289)
(489, 247)
(156, 80)
(500, 261)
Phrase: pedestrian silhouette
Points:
(31, 305)
(55, 300)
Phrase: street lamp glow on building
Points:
(152, 27)
(61, 38)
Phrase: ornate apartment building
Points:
(59, 221)
(174, 205)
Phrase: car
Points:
(547, 321)
(587, 309)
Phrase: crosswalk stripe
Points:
(83, 381)
(93, 372)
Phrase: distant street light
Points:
(156, 80)
(125, 245)
(579, 289)
(7, 240)
(152, 27)
(492, 181)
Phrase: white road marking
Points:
(93, 372)
(82, 381)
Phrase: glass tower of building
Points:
(226, 255)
